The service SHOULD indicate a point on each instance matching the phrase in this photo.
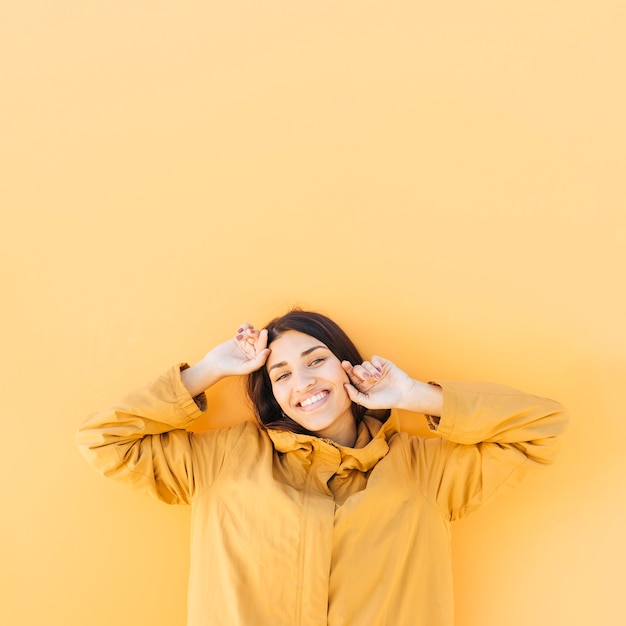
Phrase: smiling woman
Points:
(323, 512)
(292, 356)
(308, 384)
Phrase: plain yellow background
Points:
(445, 179)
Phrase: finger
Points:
(361, 370)
(352, 376)
(261, 357)
(262, 341)
(243, 331)
(354, 395)
(246, 337)
(251, 335)
(361, 377)
(379, 363)
(242, 345)
(248, 334)
(246, 341)
(253, 345)
(349, 369)
(367, 384)
(357, 381)
(371, 369)
(368, 369)
(351, 391)
(347, 366)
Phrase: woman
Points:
(323, 512)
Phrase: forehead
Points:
(290, 345)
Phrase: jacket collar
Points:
(372, 442)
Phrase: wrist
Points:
(200, 376)
(423, 398)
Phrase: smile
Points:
(313, 399)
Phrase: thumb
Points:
(257, 362)
(354, 395)
(261, 357)
(379, 362)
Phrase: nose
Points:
(302, 380)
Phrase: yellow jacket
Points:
(293, 530)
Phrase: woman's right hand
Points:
(245, 353)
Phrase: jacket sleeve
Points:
(491, 437)
(141, 440)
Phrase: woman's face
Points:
(308, 384)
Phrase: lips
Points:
(314, 399)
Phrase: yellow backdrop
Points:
(444, 178)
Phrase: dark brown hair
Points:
(322, 328)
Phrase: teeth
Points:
(316, 398)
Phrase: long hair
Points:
(322, 328)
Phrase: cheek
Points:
(279, 395)
(340, 375)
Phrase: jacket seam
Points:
(469, 508)
(225, 460)
(445, 515)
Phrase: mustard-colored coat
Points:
(293, 530)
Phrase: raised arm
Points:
(241, 355)
(491, 435)
(142, 439)
(379, 384)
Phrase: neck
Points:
(345, 437)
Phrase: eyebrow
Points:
(308, 351)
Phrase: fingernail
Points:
(239, 337)
(240, 330)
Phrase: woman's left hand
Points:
(377, 384)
